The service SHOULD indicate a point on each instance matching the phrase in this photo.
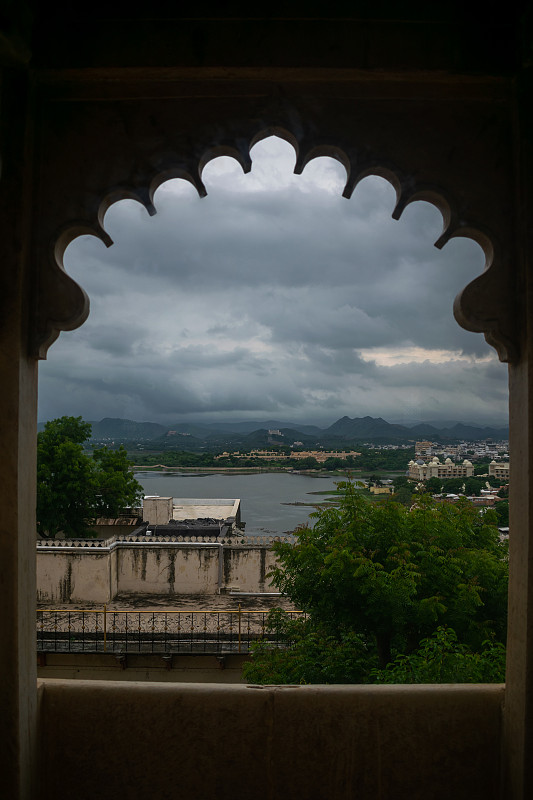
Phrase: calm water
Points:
(262, 495)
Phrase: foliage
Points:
(116, 488)
(452, 485)
(434, 485)
(374, 459)
(306, 463)
(473, 486)
(404, 494)
(72, 487)
(314, 655)
(391, 576)
(441, 658)
(401, 480)
(481, 467)
(65, 478)
(178, 458)
(502, 512)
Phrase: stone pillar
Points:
(18, 395)
(518, 715)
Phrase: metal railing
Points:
(157, 632)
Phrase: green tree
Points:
(392, 576)
(473, 486)
(315, 655)
(434, 485)
(502, 511)
(116, 487)
(401, 480)
(72, 487)
(306, 463)
(404, 494)
(481, 468)
(453, 485)
(65, 478)
(441, 658)
(332, 463)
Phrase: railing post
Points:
(239, 618)
(105, 627)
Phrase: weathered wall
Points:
(168, 570)
(169, 740)
(247, 568)
(66, 577)
(98, 574)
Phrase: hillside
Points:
(248, 434)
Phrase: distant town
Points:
(247, 435)
(447, 460)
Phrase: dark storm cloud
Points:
(272, 294)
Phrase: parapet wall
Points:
(94, 571)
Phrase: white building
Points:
(500, 471)
(161, 510)
(421, 471)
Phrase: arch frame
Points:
(95, 150)
(467, 139)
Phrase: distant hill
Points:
(247, 434)
(269, 424)
(116, 428)
(446, 423)
(378, 429)
(469, 432)
(262, 439)
(191, 429)
(365, 428)
(458, 430)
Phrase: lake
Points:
(262, 494)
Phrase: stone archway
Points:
(97, 152)
(80, 138)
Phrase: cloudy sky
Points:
(273, 297)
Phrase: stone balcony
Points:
(105, 739)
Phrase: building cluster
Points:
(275, 455)
(323, 455)
(374, 446)
(427, 464)
(473, 450)
(420, 470)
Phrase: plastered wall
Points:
(83, 575)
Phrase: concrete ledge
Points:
(112, 739)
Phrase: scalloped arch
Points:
(275, 130)
(63, 305)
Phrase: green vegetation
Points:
(470, 486)
(177, 458)
(373, 460)
(74, 488)
(368, 461)
(378, 581)
(441, 658)
(502, 512)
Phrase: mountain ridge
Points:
(345, 429)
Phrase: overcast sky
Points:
(273, 297)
